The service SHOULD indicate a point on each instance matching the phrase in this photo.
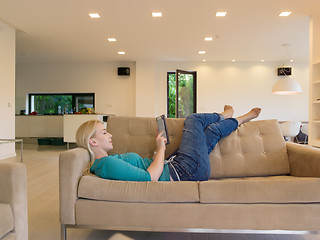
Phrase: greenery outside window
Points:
(60, 103)
(171, 87)
(181, 87)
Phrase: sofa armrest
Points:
(72, 164)
(13, 190)
(304, 160)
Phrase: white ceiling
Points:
(61, 30)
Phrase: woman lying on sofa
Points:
(190, 162)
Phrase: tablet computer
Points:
(162, 126)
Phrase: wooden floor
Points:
(43, 206)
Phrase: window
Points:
(181, 93)
(59, 103)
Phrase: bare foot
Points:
(254, 113)
(227, 111)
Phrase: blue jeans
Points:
(201, 133)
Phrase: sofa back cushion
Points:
(256, 148)
(138, 134)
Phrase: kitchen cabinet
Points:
(71, 123)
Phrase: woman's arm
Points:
(156, 167)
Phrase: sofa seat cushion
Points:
(93, 187)
(6, 219)
(276, 189)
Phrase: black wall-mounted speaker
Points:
(105, 118)
(123, 71)
(284, 71)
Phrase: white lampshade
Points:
(286, 86)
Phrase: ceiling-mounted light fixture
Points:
(221, 14)
(157, 14)
(284, 14)
(286, 85)
(94, 15)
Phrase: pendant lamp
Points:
(286, 85)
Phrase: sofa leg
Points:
(63, 232)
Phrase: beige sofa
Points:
(13, 202)
(258, 182)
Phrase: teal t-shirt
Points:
(126, 167)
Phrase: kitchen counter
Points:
(28, 126)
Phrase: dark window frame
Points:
(74, 96)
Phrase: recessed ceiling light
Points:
(233, 60)
(94, 15)
(112, 39)
(208, 38)
(157, 14)
(121, 52)
(291, 60)
(202, 52)
(284, 14)
(203, 60)
(221, 14)
(262, 60)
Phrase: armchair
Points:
(13, 202)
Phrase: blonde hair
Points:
(86, 131)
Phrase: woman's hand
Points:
(156, 167)
(161, 142)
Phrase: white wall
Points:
(113, 94)
(145, 89)
(243, 85)
(7, 95)
(144, 93)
